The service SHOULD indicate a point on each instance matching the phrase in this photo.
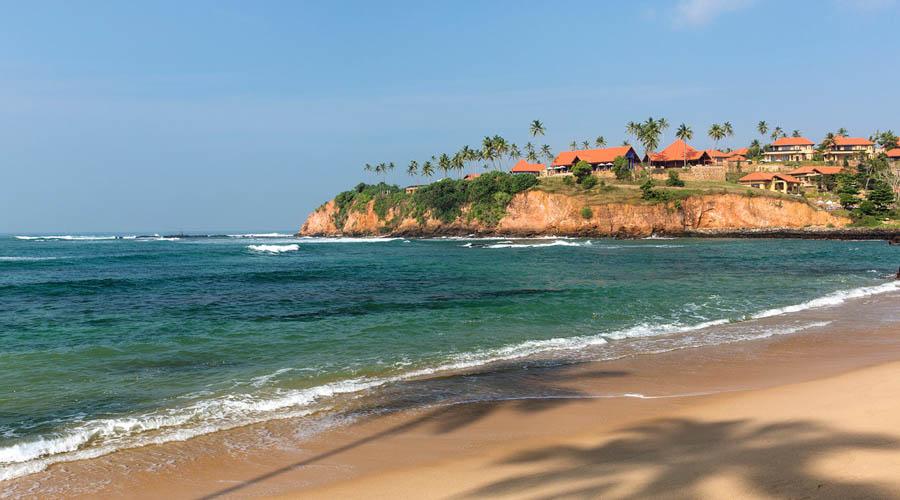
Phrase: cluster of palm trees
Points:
(718, 132)
(599, 142)
(494, 150)
(647, 132)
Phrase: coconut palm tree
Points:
(573, 145)
(531, 156)
(529, 148)
(716, 133)
(546, 152)
(728, 129)
(600, 141)
(633, 129)
(649, 133)
(685, 134)
(458, 163)
(412, 169)
(795, 133)
(501, 148)
(514, 152)
(762, 127)
(488, 149)
(427, 169)
(444, 163)
(585, 145)
(776, 133)
(369, 168)
(842, 132)
(537, 128)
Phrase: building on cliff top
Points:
(815, 175)
(599, 159)
(848, 148)
(789, 149)
(523, 167)
(678, 154)
(771, 181)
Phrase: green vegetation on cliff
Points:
(486, 198)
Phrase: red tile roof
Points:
(793, 141)
(604, 155)
(816, 170)
(741, 151)
(715, 153)
(736, 157)
(524, 166)
(678, 151)
(469, 177)
(840, 140)
(768, 176)
(893, 153)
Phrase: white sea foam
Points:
(261, 235)
(831, 299)
(274, 249)
(557, 243)
(24, 259)
(66, 237)
(311, 239)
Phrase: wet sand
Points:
(808, 414)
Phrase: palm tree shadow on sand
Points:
(679, 455)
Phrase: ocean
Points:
(117, 341)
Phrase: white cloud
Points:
(692, 13)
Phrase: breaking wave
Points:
(66, 237)
(832, 299)
(274, 248)
(557, 243)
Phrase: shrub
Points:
(589, 182)
(586, 213)
(674, 180)
(581, 171)
(621, 169)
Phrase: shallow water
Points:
(108, 343)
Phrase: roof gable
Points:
(793, 141)
(840, 140)
(524, 166)
(593, 156)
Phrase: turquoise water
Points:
(111, 343)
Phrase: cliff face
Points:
(538, 212)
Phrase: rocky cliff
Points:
(537, 212)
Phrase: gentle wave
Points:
(310, 239)
(25, 259)
(274, 248)
(831, 299)
(99, 437)
(66, 238)
(261, 235)
(557, 243)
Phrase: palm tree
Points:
(795, 133)
(842, 132)
(546, 152)
(529, 148)
(728, 129)
(412, 169)
(649, 133)
(531, 156)
(537, 128)
(369, 168)
(488, 150)
(685, 134)
(573, 145)
(514, 152)
(458, 163)
(600, 141)
(633, 129)
(716, 133)
(427, 169)
(444, 163)
(776, 133)
(585, 145)
(501, 147)
(762, 127)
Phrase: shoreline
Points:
(768, 233)
(617, 391)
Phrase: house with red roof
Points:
(786, 149)
(783, 183)
(894, 154)
(523, 167)
(848, 148)
(678, 154)
(717, 157)
(817, 176)
(599, 159)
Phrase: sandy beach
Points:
(810, 414)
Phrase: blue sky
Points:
(166, 116)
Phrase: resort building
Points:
(782, 183)
(469, 177)
(849, 148)
(412, 189)
(523, 167)
(599, 159)
(893, 154)
(818, 177)
(717, 157)
(789, 149)
(678, 154)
